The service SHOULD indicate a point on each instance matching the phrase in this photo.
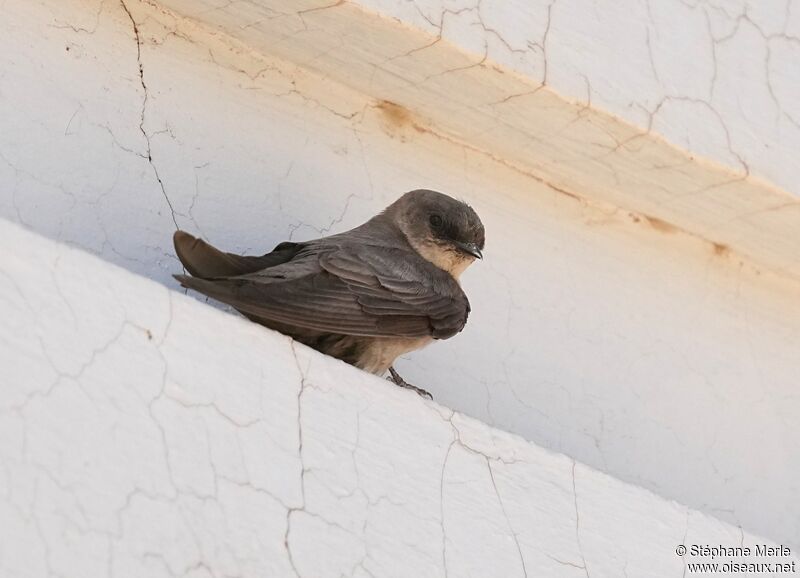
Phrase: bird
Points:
(365, 296)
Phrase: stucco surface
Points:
(718, 78)
(448, 83)
(660, 357)
(146, 434)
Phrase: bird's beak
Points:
(470, 249)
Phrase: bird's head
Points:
(443, 230)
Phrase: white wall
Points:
(718, 78)
(620, 341)
(435, 87)
(145, 434)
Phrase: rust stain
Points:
(564, 192)
(660, 225)
(394, 113)
(720, 249)
(397, 121)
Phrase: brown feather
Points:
(365, 296)
(204, 261)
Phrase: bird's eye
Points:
(435, 220)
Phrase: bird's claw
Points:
(395, 377)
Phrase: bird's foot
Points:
(395, 377)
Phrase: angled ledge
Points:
(426, 84)
(146, 434)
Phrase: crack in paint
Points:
(145, 99)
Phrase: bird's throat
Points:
(451, 261)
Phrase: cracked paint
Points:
(598, 331)
(107, 476)
(578, 523)
(621, 32)
(523, 119)
(145, 98)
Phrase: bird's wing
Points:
(203, 260)
(355, 290)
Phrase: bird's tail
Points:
(207, 262)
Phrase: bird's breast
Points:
(381, 352)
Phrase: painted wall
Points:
(620, 341)
(718, 78)
(145, 434)
(462, 96)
